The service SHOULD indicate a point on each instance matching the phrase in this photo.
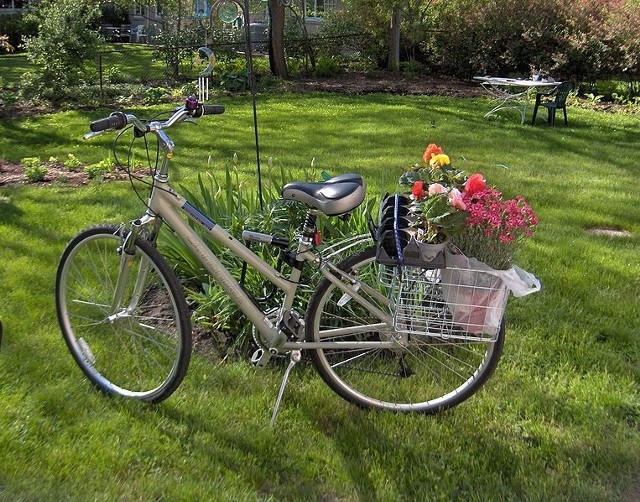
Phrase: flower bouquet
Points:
(481, 231)
(438, 204)
(415, 228)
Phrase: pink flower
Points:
(504, 220)
(436, 188)
(455, 199)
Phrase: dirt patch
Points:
(387, 82)
(608, 231)
(14, 174)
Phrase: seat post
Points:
(309, 226)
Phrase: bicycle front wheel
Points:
(425, 374)
(125, 321)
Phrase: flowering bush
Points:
(449, 205)
(494, 227)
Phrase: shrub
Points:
(234, 82)
(34, 169)
(63, 45)
(231, 74)
(154, 95)
(327, 67)
(97, 170)
(35, 173)
(16, 27)
(582, 40)
(186, 90)
(414, 68)
(30, 161)
(72, 163)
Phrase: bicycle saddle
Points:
(337, 195)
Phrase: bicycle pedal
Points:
(260, 358)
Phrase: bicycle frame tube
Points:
(167, 203)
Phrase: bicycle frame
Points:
(167, 204)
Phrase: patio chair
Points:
(138, 34)
(553, 101)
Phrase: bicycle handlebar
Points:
(119, 120)
(208, 110)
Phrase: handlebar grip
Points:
(208, 110)
(117, 120)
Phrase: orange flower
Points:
(431, 150)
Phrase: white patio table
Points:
(512, 93)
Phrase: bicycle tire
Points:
(143, 348)
(428, 375)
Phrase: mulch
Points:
(13, 174)
(388, 82)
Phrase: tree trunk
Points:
(393, 62)
(277, 61)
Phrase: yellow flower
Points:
(438, 161)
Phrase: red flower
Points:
(431, 150)
(474, 184)
(418, 189)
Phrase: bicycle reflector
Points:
(317, 238)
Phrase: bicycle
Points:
(124, 317)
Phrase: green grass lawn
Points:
(559, 420)
(12, 67)
(135, 62)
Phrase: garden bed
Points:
(387, 82)
(14, 174)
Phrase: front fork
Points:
(128, 256)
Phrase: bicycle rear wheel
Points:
(427, 374)
(131, 337)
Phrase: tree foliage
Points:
(64, 43)
(580, 39)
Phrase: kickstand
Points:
(296, 357)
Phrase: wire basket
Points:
(449, 303)
(388, 275)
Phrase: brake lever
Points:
(92, 134)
